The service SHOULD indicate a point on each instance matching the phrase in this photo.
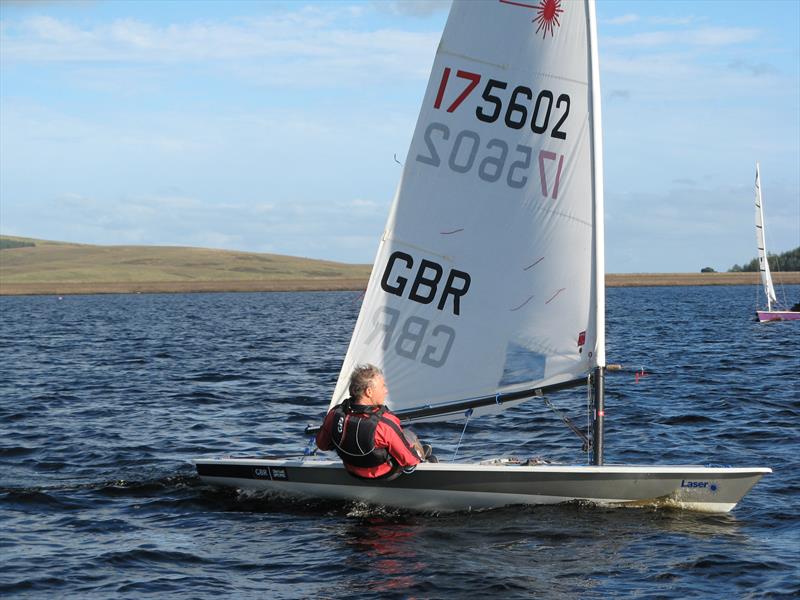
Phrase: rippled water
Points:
(105, 399)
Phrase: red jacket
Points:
(386, 436)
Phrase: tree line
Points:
(8, 243)
(786, 261)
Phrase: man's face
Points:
(377, 391)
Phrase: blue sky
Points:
(273, 126)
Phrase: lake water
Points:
(105, 399)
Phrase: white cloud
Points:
(360, 203)
(322, 42)
(412, 8)
(328, 231)
(705, 37)
(623, 19)
(675, 20)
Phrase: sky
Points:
(277, 126)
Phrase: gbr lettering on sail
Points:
(414, 337)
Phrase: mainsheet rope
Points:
(467, 414)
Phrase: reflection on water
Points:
(387, 548)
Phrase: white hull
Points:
(458, 486)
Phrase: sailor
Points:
(366, 435)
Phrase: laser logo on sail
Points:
(547, 14)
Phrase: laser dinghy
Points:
(488, 285)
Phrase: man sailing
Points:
(366, 435)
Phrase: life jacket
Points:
(353, 437)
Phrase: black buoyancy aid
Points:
(353, 435)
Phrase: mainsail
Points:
(763, 263)
(488, 280)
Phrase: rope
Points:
(308, 450)
(569, 423)
(467, 414)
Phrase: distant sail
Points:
(763, 263)
(489, 275)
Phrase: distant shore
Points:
(353, 284)
(30, 266)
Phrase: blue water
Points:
(105, 399)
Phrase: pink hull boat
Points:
(778, 315)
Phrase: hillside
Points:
(31, 266)
(40, 266)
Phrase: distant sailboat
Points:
(771, 314)
(488, 287)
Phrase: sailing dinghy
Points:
(488, 285)
(771, 314)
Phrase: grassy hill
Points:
(31, 266)
(40, 266)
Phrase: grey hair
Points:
(362, 377)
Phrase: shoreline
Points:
(352, 284)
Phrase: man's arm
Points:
(390, 436)
(324, 434)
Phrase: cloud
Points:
(629, 18)
(757, 70)
(412, 8)
(623, 19)
(277, 48)
(619, 95)
(705, 37)
(675, 20)
(361, 204)
(42, 4)
(650, 231)
(328, 231)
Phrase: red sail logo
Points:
(547, 13)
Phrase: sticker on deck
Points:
(278, 473)
(261, 473)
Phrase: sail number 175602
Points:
(547, 112)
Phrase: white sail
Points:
(489, 275)
(763, 263)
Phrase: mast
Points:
(598, 377)
(598, 395)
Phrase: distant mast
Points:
(763, 262)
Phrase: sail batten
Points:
(489, 277)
